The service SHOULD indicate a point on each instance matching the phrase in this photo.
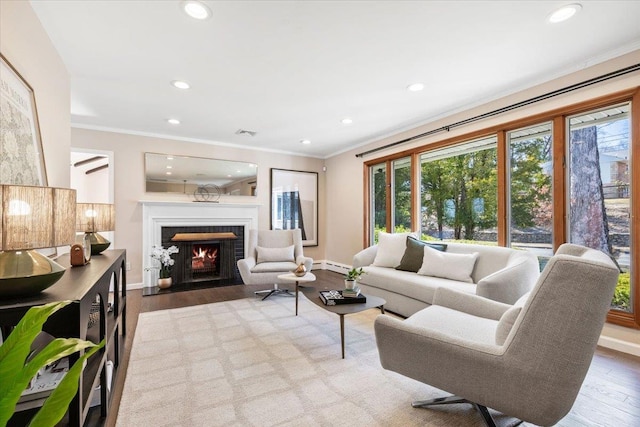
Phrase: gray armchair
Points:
(528, 360)
(272, 253)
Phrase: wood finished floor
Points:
(610, 395)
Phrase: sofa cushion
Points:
(455, 323)
(390, 249)
(275, 254)
(272, 267)
(448, 265)
(420, 288)
(414, 253)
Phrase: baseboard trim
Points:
(619, 345)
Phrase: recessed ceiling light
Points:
(168, 173)
(196, 9)
(564, 13)
(180, 84)
(173, 121)
(347, 121)
(305, 141)
(169, 158)
(415, 87)
(169, 167)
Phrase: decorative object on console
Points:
(80, 253)
(33, 218)
(94, 217)
(163, 256)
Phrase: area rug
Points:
(254, 363)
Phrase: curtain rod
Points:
(602, 78)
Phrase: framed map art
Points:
(21, 158)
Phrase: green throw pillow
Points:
(414, 253)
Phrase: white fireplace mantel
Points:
(158, 214)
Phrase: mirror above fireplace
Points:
(165, 173)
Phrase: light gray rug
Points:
(254, 363)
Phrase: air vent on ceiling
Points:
(245, 132)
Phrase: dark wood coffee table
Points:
(313, 295)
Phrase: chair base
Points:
(274, 291)
(486, 416)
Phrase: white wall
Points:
(27, 47)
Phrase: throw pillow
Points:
(275, 254)
(448, 265)
(391, 247)
(414, 253)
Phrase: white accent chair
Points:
(527, 360)
(272, 253)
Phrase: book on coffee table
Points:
(336, 297)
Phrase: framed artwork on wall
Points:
(294, 203)
(21, 157)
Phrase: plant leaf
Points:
(57, 403)
(14, 351)
(56, 349)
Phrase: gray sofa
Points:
(501, 274)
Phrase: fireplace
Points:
(207, 256)
(162, 221)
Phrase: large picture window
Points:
(532, 184)
(599, 202)
(458, 192)
(530, 204)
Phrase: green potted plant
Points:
(352, 276)
(16, 369)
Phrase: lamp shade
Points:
(36, 217)
(94, 217)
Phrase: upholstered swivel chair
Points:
(528, 360)
(272, 253)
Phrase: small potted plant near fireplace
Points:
(352, 276)
(163, 256)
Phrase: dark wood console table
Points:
(84, 286)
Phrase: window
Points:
(458, 191)
(378, 199)
(599, 202)
(530, 204)
(401, 197)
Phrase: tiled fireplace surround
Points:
(156, 215)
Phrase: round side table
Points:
(290, 277)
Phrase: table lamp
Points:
(94, 217)
(33, 218)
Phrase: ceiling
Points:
(292, 70)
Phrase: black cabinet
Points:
(88, 287)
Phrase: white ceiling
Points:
(291, 70)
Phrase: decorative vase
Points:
(349, 284)
(300, 271)
(164, 282)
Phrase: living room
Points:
(343, 223)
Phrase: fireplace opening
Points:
(204, 260)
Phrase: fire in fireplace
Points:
(203, 260)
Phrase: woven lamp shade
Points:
(94, 217)
(36, 217)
